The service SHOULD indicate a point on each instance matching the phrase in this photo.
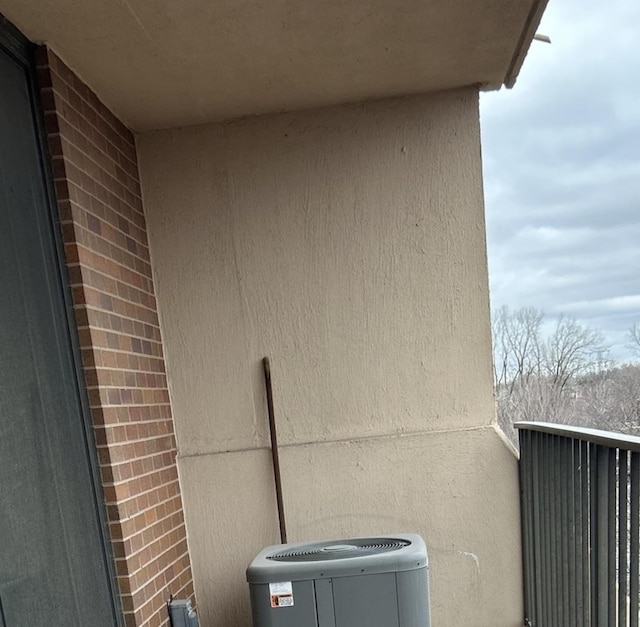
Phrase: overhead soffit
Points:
(166, 63)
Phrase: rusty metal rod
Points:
(274, 450)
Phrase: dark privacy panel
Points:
(52, 558)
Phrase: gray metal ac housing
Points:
(356, 582)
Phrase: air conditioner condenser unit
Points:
(356, 582)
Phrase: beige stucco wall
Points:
(348, 245)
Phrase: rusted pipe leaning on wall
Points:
(274, 450)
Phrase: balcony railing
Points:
(580, 501)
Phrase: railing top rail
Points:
(603, 438)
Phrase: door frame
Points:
(21, 50)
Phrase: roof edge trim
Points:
(526, 37)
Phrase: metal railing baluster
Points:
(609, 455)
(526, 489)
(634, 557)
(623, 537)
(537, 520)
(571, 532)
(584, 533)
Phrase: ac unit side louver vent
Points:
(321, 552)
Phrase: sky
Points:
(561, 158)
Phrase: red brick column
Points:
(96, 178)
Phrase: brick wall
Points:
(96, 178)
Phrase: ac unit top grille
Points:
(323, 551)
(347, 557)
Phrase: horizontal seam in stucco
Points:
(386, 436)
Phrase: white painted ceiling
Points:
(166, 63)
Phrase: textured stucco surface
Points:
(347, 244)
(458, 489)
(162, 63)
(232, 515)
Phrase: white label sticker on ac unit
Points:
(281, 594)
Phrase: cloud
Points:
(562, 171)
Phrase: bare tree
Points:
(537, 400)
(611, 400)
(516, 342)
(633, 338)
(573, 350)
(538, 375)
(521, 352)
